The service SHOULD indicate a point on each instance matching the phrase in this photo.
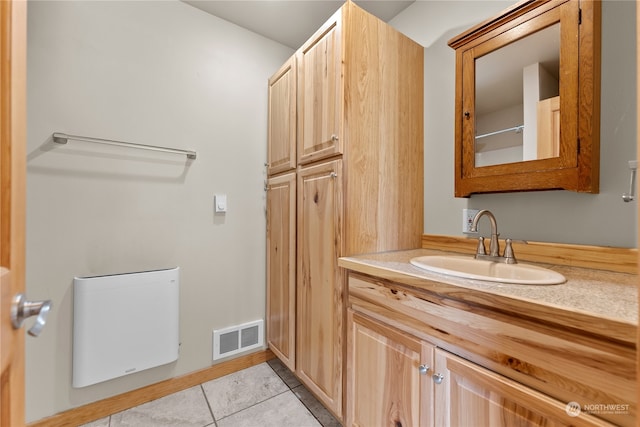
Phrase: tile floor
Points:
(261, 396)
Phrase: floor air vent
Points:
(236, 339)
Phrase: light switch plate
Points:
(220, 203)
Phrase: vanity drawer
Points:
(562, 363)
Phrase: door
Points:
(12, 205)
(320, 290)
(638, 151)
(320, 93)
(281, 267)
(388, 376)
(468, 394)
(281, 153)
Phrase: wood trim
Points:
(638, 151)
(622, 260)
(509, 17)
(103, 408)
(13, 114)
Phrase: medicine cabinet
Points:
(527, 113)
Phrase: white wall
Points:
(552, 216)
(160, 73)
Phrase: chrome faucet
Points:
(494, 244)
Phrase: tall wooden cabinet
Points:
(320, 286)
(359, 127)
(281, 267)
(281, 140)
(320, 92)
(281, 214)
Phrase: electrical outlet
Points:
(467, 219)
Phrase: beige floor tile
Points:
(242, 389)
(283, 410)
(253, 397)
(187, 408)
(103, 422)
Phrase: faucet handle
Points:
(481, 250)
(509, 256)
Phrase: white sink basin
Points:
(471, 268)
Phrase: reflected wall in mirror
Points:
(517, 100)
(528, 98)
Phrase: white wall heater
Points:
(124, 323)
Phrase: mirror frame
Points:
(578, 166)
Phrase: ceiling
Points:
(290, 22)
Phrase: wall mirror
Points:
(528, 98)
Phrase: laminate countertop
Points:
(601, 302)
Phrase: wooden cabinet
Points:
(388, 376)
(396, 379)
(489, 368)
(281, 214)
(319, 93)
(319, 283)
(359, 98)
(281, 262)
(500, 50)
(468, 394)
(281, 142)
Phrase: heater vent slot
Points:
(237, 339)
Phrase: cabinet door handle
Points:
(334, 138)
(437, 378)
(423, 369)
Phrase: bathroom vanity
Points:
(428, 349)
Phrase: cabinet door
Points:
(319, 93)
(388, 376)
(319, 286)
(467, 394)
(281, 152)
(281, 264)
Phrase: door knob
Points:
(437, 378)
(423, 369)
(22, 309)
